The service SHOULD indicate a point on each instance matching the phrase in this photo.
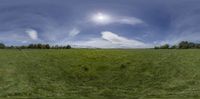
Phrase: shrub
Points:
(2, 46)
(68, 47)
(123, 66)
(156, 47)
(166, 46)
(173, 47)
(183, 45)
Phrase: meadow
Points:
(100, 73)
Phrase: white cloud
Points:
(110, 40)
(94, 43)
(129, 20)
(116, 39)
(33, 34)
(24, 42)
(74, 32)
(175, 39)
(104, 19)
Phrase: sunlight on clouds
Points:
(101, 18)
(104, 19)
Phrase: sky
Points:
(99, 23)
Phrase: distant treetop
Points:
(35, 46)
(181, 45)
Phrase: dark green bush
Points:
(2, 46)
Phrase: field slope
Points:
(100, 74)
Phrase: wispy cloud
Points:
(111, 40)
(116, 39)
(74, 32)
(128, 20)
(105, 19)
(33, 34)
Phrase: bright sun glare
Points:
(101, 18)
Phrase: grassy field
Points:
(100, 74)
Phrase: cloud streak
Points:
(33, 34)
(74, 32)
(111, 40)
(116, 39)
(104, 19)
(128, 20)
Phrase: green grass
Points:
(100, 74)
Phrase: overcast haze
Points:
(99, 23)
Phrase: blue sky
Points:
(99, 23)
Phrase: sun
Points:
(101, 18)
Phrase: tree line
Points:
(181, 45)
(35, 46)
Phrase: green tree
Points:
(47, 46)
(39, 46)
(156, 47)
(197, 45)
(174, 47)
(68, 47)
(166, 46)
(2, 46)
(184, 45)
(191, 45)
